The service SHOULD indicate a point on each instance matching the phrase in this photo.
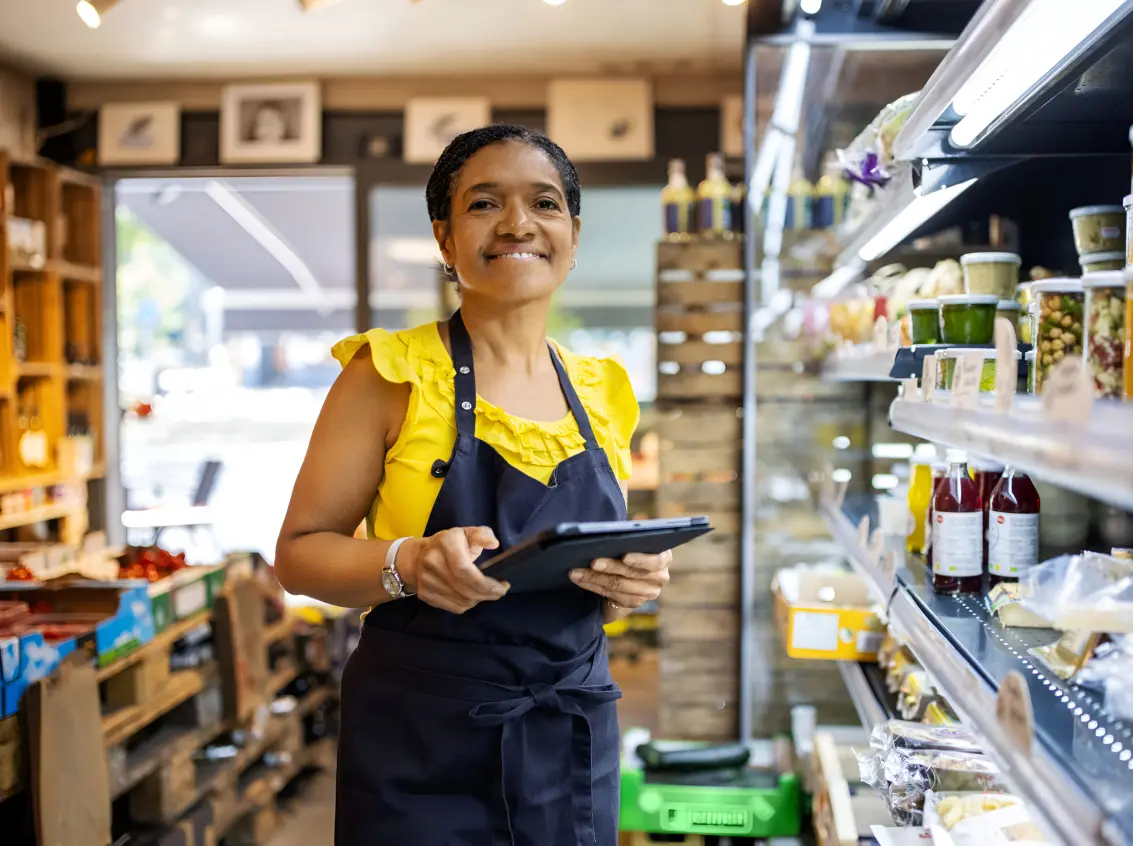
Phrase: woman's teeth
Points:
(516, 256)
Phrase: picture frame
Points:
(139, 134)
(271, 123)
(732, 126)
(432, 122)
(602, 119)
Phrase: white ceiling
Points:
(220, 38)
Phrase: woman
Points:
(471, 717)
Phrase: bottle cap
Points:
(956, 456)
(983, 465)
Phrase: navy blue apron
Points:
(499, 725)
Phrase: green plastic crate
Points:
(751, 803)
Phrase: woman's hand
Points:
(629, 582)
(441, 568)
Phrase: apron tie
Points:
(564, 699)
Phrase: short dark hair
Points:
(438, 193)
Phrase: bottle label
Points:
(1012, 543)
(957, 544)
(715, 214)
(677, 218)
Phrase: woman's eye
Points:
(549, 205)
(480, 205)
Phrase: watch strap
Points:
(391, 564)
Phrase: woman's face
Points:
(509, 234)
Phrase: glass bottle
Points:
(678, 203)
(800, 200)
(920, 497)
(739, 209)
(830, 192)
(714, 200)
(1013, 531)
(986, 475)
(957, 527)
(939, 472)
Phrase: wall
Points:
(17, 114)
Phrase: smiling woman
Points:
(457, 440)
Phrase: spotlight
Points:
(91, 11)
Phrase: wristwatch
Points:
(391, 579)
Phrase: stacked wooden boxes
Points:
(700, 321)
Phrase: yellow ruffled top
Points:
(418, 357)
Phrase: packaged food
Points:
(967, 318)
(924, 322)
(1104, 358)
(1108, 260)
(12, 612)
(1087, 592)
(916, 694)
(957, 531)
(996, 274)
(1011, 311)
(920, 492)
(918, 736)
(1128, 336)
(851, 316)
(1056, 324)
(1127, 204)
(899, 667)
(1029, 357)
(982, 819)
(944, 769)
(1023, 295)
(939, 713)
(946, 366)
(1098, 228)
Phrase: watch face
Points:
(391, 584)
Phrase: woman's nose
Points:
(515, 221)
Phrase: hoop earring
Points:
(449, 269)
(573, 264)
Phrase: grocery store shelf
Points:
(1078, 776)
(861, 682)
(847, 534)
(1095, 459)
(39, 515)
(858, 363)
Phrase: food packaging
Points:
(826, 615)
(1003, 601)
(1104, 358)
(1056, 324)
(1106, 260)
(1088, 592)
(1011, 311)
(982, 819)
(1098, 228)
(995, 274)
(1128, 335)
(946, 360)
(967, 318)
(1111, 671)
(924, 322)
(917, 736)
(1127, 204)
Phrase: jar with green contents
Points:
(1104, 343)
(1010, 310)
(1094, 262)
(967, 318)
(991, 273)
(1056, 324)
(924, 322)
(947, 363)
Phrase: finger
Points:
(636, 560)
(629, 600)
(464, 576)
(614, 567)
(480, 538)
(608, 583)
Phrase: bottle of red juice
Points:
(957, 530)
(1013, 528)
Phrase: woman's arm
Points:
(316, 554)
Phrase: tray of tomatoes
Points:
(151, 563)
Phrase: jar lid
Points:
(1083, 211)
(968, 299)
(1057, 286)
(1127, 201)
(989, 353)
(956, 456)
(1009, 305)
(922, 305)
(1104, 279)
(990, 258)
(1104, 255)
(1030, 356)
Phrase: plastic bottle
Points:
(1013, 531)
(678, 203)
(920, 497)
(957, 529)
(714, 200)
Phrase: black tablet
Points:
(544, 561)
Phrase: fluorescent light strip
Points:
(833, 284)
(1038, 43)
(912, 217)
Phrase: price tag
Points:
(863, 532)
(881, 334)
(1006, 367)
(1014, 712)
(876, 544)
(909, 389)
(1068, 392)
(928, 377)
(966, 380)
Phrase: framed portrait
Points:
(139, 134)
(432, 122)
(273, 123)
(732, 126)
(601, 119)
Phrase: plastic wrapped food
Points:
(868, 157)
(982, 819)
(909, 735)
(942, 769)
(1105, 331)
(1111, 672)
(1087, 592)
(1057, 314)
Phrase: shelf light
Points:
(90, 12)
(1042, 39)
(922, 209)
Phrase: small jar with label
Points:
(957, 530)
(1057, 313)
(1013, 528)
(1104, 358)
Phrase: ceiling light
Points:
(91, 11)
(554, 2)
(810, 7)
(308, 5)
(733, 2)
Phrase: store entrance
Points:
(230, 292)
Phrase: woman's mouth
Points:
(515, 256)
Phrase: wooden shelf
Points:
(39, 515)
(84, 372)
(38, 370)
(75, 272)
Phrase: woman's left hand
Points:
(629, 582)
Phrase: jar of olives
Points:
(1057, 311)
(1104, 357)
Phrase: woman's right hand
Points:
(442, 570)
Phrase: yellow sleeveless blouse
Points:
(418, 357)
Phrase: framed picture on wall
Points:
(272, 123)
(732, 126)
(601, 119)
(432, 122)
(139, 134)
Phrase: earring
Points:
(449, 269)
(573, 264)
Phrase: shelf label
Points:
(909, 389)
(966, 380)
(1014, 711)
(928, 377)
(1068, 392)
(863, 532)
(1006, 366)
(881, 334)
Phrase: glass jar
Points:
(991, 273)
(1104, 357)
(924, 322)
(1098, 228)
(967, 318)
(1056, 324)
(1129, 336)
(1109, 260)
(957, 530)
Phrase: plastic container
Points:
(1012, 312)
(920, 495)
(1098, 228)
(967, 318)
(1129, 336)
(1104, 358)
(1023, 295)
(1093, 262)
(957, 530)
(991, 273)
(1056, 324)
(1030, 359)
(1127, 204)
(1013, 527)
(924, 322)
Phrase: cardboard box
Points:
(826, 615)
(185, 593)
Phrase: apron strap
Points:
(576, 407)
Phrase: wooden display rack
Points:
(51, 312)
(700, 321)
